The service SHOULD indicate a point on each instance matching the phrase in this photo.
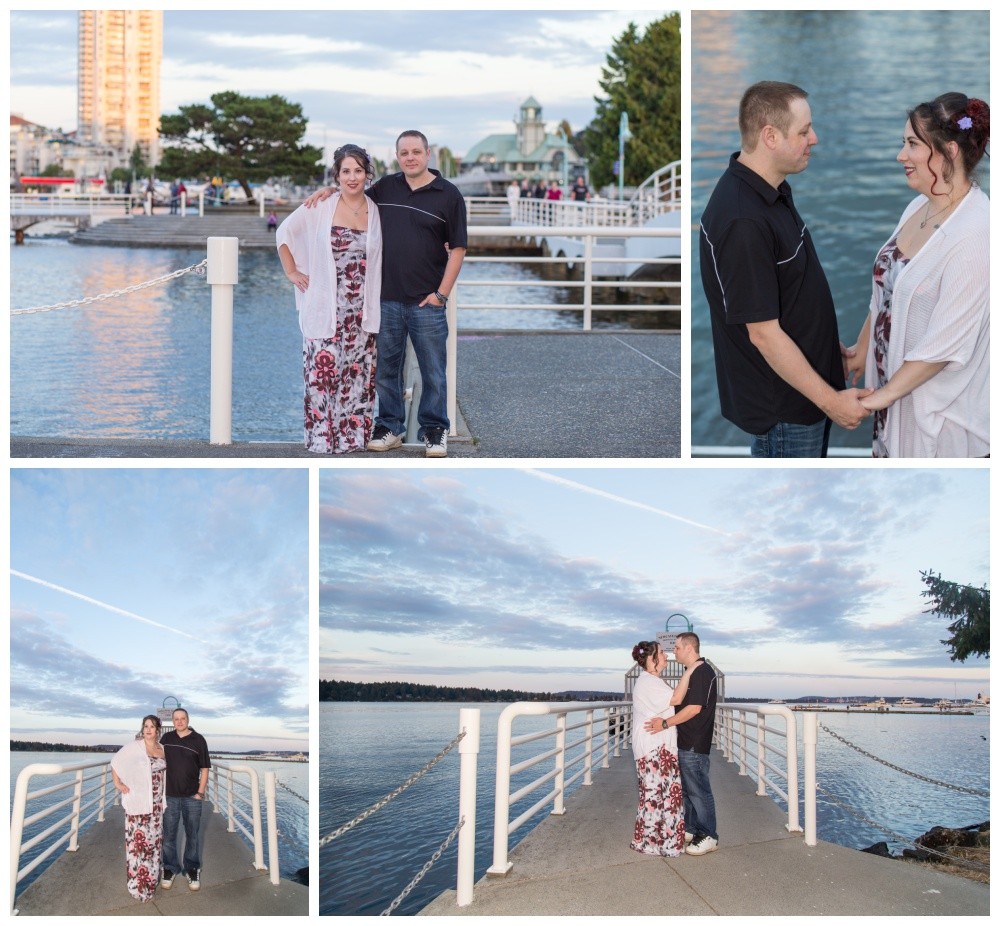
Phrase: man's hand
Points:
(846, 409)
(653, 725)
(433, 300)
(318, 197)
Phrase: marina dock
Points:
(91, 881)
(573, 394)
(580, 863)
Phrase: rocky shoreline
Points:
(969, 843)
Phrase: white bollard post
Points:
(810, 732)
(468, 748)
(201, 203)
(260, 194)
(184, 204)
(271, 799)
(149, 204)
(223, 271)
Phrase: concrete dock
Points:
(580, 863)
(91, 881)
(522, 395)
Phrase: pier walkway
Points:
(91, 881)
(580, 863)
(531, 395)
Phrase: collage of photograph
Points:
(395, 520)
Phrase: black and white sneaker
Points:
(194, 879)
(167, 881)
(702, 845)
(384, 439)
(436, 442)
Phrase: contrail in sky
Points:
(642, 506)
(101, 604)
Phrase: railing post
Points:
(74, 826)
(588, 281)
(184, 203)
(104, 793)
(558, 805)
(230, 801)
(223, 274)
(18, 803)
(260, 193)
(588, 751)
(451, 374)
(271, 798)
(501, 799)
(810, 732)
(468, 749)
(762, 754)
(201, 203)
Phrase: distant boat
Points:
(906, 702)
(776, 701)
(879, 705)
(944, 705)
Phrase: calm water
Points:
(366, 868)
(139, 366)
(863, 71)
(292, 810)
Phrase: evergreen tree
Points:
(970, 608)
(239, 137)
(643, 78)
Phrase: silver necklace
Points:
(927, 217)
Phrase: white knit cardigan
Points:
(651, 698)
(941, 313)
(307, 233)
(131, 764)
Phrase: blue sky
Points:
(803, 581)
(360, 76)
(216, 560)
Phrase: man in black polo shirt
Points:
(187, 778)
(777, 350)
(424, 239)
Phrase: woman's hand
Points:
(299, 280)
(854, 364)
(878, 400)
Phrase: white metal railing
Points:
(69, 204)
(743, 735)
(600, 738)
(88, 798)
(239, 799)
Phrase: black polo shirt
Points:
(416, 224)
(703, 690)
(758, 263)
(186, 757)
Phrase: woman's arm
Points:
(299, 280)
(682, 686)
(119, 784)
(856, 357)
(911, 374)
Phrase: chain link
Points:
(967, 863)
(385, 800)
(281, 784)
(196, 268)
(427, 867)
(933, 781)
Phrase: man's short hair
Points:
(183, 710)
(415, 134)
(692, 638)
(766, 103)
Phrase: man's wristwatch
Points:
(442, 298)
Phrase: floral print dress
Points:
(144, 839)
(340, 371)
(659, 824)
(888, 265)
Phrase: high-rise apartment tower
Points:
(118, 85)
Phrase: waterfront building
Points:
(530, 151)
(33, 148)
(118, 81)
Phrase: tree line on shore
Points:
(334, 690)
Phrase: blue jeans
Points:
(188, 810)
(792, 440)
(699, 802)
(427, 327)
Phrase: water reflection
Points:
(863, 71)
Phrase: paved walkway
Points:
(91, 881)
(588, 395)
(580, 863)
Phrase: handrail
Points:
(22, 798)
(246, 808)
(610, 736)
(734, 734)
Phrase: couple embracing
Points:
(162, 781)
(671, 739)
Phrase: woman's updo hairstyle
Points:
(953, 117)
(358, 154)
(156, 720)
(642, 651)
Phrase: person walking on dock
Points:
(695, 721)
(187, 778)
(778, 357)
(659, 824)
(424, 234)
(138, 771)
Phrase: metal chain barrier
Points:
(967, 863)
(427, 867)
(196, 268)
(933, 781)
(281, 784)
(385, 800)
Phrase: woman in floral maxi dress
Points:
(332, 254)
(659, 824)
(139, 773)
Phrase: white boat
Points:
(906, 702)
